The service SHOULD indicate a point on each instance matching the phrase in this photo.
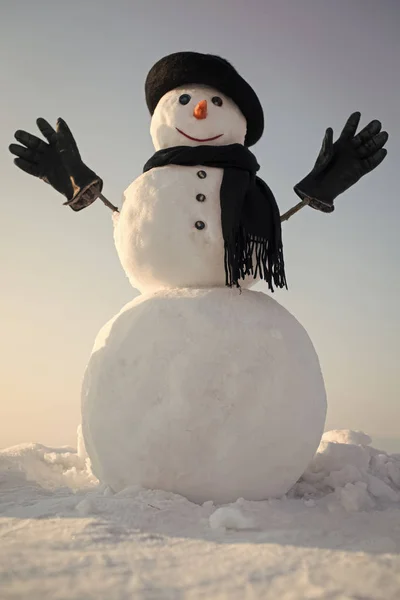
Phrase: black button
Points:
(200, 197)
(201, 174)
(199, 225)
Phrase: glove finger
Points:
(25, 153)
(327, 141)
(28, 167)
(367, 133)
(47, 130)
(325, 153)
(350, 128)
(68, 140)
(373, 161)
(30, 141)
(373, 144)
(63, 128)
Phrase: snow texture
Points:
(335, 535)
(161, 410)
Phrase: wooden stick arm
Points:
(294, 210)
(285, 217)
(108, 203)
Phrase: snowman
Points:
(201, 386)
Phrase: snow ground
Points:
(336, 535)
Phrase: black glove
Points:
(341, 164)
(57, 163)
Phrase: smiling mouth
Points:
(199, 140)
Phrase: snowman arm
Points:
(58, 163)
(292, 211)
(108, 203)
(88, 195)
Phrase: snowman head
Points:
(197, 115)
(199, 99)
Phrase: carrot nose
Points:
(200, 110)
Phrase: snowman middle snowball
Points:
(168, 233)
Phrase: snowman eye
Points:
(217, 101)
(184, 99)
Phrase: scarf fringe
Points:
(240, 252)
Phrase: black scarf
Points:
(251, 224)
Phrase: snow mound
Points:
(336, 533)
(47, 467)
(346, 473)
(229, 518)
(346, 436)
(349, 472)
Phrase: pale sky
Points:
(312, 63)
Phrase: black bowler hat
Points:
(189, 68)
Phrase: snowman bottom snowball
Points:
(213, 394)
